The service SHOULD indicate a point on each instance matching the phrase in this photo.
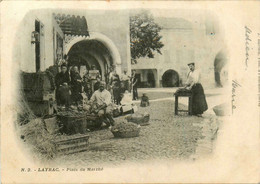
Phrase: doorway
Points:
(37, 47)
(170, 78)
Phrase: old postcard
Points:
(130, 92)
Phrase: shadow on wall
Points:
(220, 69)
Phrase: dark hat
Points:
(191, 63)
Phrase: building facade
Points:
(192, 36)
(100, 38)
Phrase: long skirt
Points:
(199, 104)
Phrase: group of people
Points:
(119, 85)
(70, 85)
(71, 88)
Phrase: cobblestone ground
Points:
(167, 137)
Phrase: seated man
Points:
(104, 109)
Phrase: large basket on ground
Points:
(222, 109)
(140, 119)
(93, 121)
(72, 124)
(126, 130)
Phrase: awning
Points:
(72, 25)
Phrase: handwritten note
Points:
(235, 85)
(247, 44)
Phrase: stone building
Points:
(99, 38)
(102, 38)
(188, 36)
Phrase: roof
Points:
(72, 25)
(173, 23)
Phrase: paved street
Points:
(168, 137)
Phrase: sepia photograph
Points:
(115, 87)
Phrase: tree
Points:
(144, 36)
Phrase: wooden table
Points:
(183, 93)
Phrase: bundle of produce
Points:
(116, 110)
(87, 108)
(140, 119)
(38, 139)
(25, 113)
(125, 130)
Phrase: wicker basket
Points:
(73, 124)
(126, 134)
(141, 120)
(222, 110)
(93, 122)
(125, 130)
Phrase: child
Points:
(145, 101)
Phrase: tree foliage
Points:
(144, 36)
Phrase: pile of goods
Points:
(38, 138)
(49, 145)
(125, 130)
(140, 119)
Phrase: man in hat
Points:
(199, 104)
(125, 81)
(94, 77)
(102, 98)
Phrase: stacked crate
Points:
(39, 92)
(71, 144)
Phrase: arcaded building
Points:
(102, 38)
(188, 36)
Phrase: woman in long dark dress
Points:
(76, 86)
(199, 103)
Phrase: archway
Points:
(219, 63)
(95, 36)
(87, 53)
(170, 78)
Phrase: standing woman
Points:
(76, 87)
(199, 104)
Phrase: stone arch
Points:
(170, 78)
(220, 62)
(107, 42)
